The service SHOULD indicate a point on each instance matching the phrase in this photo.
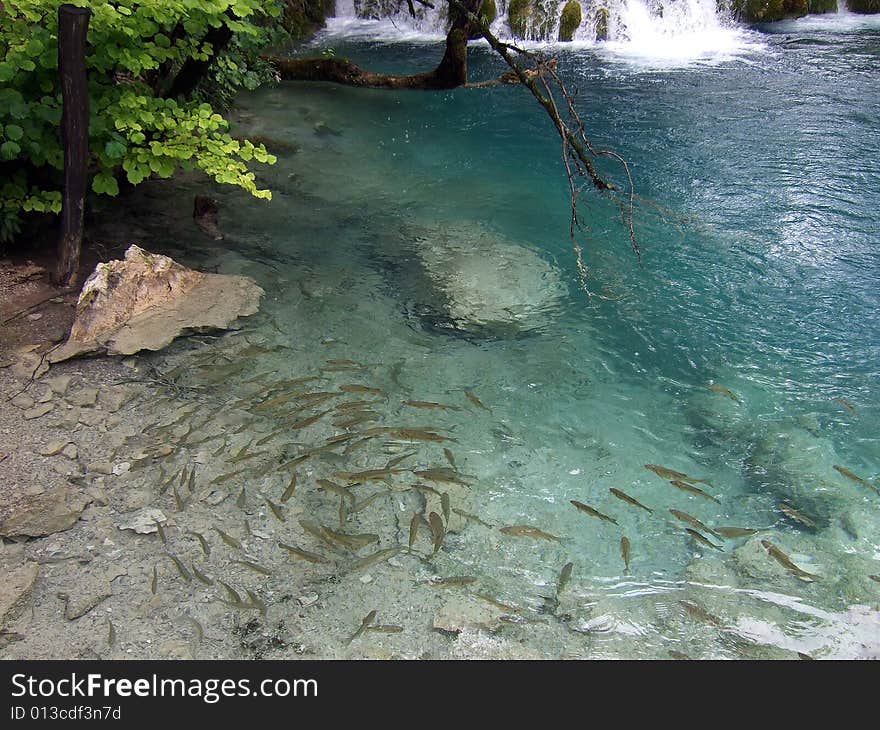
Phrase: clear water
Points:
(426, 236)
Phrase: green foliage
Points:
(134, 50)
(570, 20)
(519, 12)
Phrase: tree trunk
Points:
(73, 26)
(192, 70)
(449, 74)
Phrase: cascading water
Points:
(671, 29)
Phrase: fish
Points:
(529, 531)
(241, 502)
(442, 475)
(414, 529)
(226, 477)
(786, 562)
(337, 488)
(685, 487)
(366, 502)
(721, 390)
(315, 531)
(592, 512)
(797, 516)
(379, 556)
(564, 577)
(734, 532)
(272, 434)
(234, 597)
(438, 531)
(664, 473)
(180, 505)
(352, 542)
(473, 518)
(358, 477)
(453, 581)
(631, 500)
(397, 459)
(276, 510)
(201, 576)
(476, 401)
(430, 405)
(111, 633)
(191, 482)
(846, 404)
(254, 566)
(875, 578)
(342, 361)
(304, 554)
(181, 568)
(854, 477)
(154, 584)
(498, 604)
(343, 512)
(385, 629)
(700, 613)
(419, 434)
(256, 602)
(355, 388)
(182, 480)
(625, 551)
(228, 539)
(161, 531)
(449, 457)
(677, 655)
(702, 540)
(199, 631)
(206, 549)
(366, 622)
(693, 522)
(308, 421)
(802, 655)
(444, 506)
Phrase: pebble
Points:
(308, 599)
(58, 384)
(366, 578)
(53, 448)
(38, 411)
(70, 451)
(100, 467)
(121, 468)
(84, 397)
(34, 316)
(23, 401)
(46, 397)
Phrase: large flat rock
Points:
(145, 301)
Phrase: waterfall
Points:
(659, 29)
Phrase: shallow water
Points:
(426, 237)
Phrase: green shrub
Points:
(134, 51)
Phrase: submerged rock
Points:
(15, 589)
(472, 281)
(42, 514)
(145, 301)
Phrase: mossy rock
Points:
(818, 7)
(489, 11)
(601, 24)
(865, 7)
(769, 11)
(519, 13)
(570, 20)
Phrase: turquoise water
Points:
(426, 236)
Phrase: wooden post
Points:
(73, 25)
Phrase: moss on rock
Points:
(866, 7)
(519, 13)
(570, 20)
(489, 10)
(769, 11)
(601, 24)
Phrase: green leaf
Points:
(9, 150)
(14, 132)
(105, 183)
